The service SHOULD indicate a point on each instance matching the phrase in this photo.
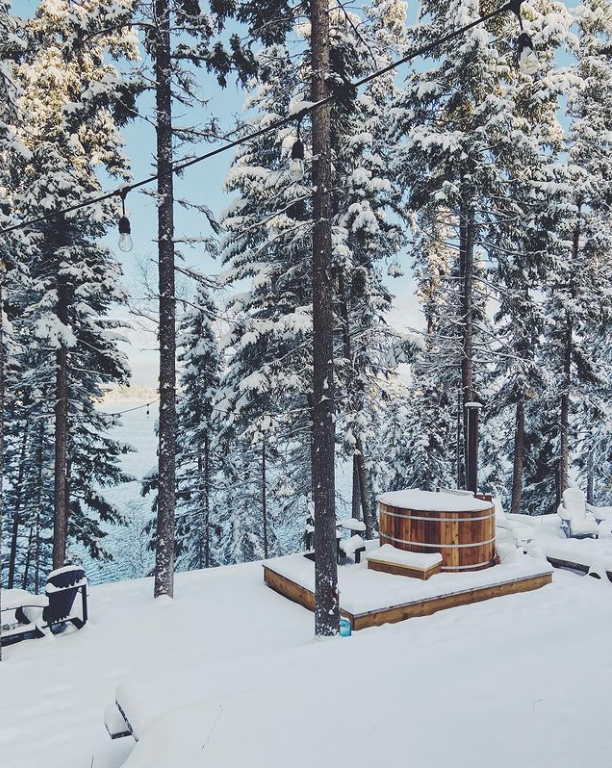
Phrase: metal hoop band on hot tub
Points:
(439, 519)
(437, 546)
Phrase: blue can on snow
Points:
(345, 628)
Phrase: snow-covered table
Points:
(352, 524)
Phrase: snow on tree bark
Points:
(164, 552)
(1, 423)
(327, 611)
(61, 490)
(17, 510)
(519, 453)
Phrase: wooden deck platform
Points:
(420, 605)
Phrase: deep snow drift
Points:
(520, 680)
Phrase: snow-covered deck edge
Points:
(292, 584)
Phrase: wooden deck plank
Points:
(432, 605)
(400, 569)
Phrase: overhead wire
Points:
(296, 116)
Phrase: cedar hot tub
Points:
(460, 527)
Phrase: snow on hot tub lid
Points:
(429, 501)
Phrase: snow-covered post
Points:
(471, 439)
(164, 550)
(327, 611)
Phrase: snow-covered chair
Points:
(576, 521)
(352, 547)
(62, 587)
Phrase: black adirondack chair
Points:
(62, 588)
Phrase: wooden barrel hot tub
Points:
(460, 527)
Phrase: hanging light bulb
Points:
(125, 229)
(296, 165)
(528, 61)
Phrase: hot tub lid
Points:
(428, 501)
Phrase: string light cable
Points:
(527, 61)
(135, 408)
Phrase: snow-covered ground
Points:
(523, 680)
(549, 540)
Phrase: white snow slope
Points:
(524, 680)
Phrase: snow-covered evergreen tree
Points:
(365, 235)
(198, 459)
(571, 415)
(73, 281)
(466, 135)
(268, 243)
(580, 308)
(7, 139)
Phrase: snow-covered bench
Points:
(389, 559)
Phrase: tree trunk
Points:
(206, 501)
(61, 501)
(459, 442)
(26, 567)
(327, 611)
(356, 494)
(34, 535)
(567, 372)
(1, 422)
(201, 532)
(360, 499)
(17, 510)
(166, 499)
(264, 501)
(40, 489)
(565, 405)
(363, 488)
(519, 455)
(590, 493)
(467, 359)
